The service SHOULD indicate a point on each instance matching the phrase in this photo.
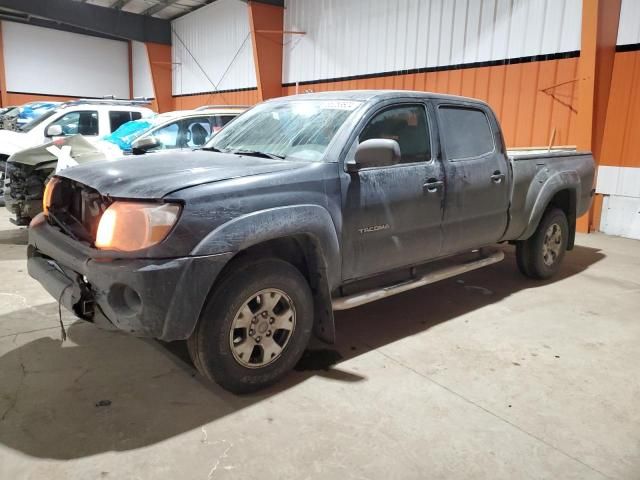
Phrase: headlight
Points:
(130, 226)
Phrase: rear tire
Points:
(254, 327)
(540, 255)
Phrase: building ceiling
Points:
(141, 20)
(165, 9)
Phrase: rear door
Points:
(392, 214)
(477, 176)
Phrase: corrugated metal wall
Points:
(141, 71)
(242, 97)
(531, 99)
(629, 28)
(212, 48)
(518, 55)
(51, 62)
(358, 37)
(619, 175)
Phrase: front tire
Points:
(540, 255)
(254, 327)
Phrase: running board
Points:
(486, 257)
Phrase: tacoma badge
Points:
(373, 228)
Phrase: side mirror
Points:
(144, 144)
(376, 152)
(53, 131)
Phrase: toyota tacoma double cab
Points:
(301, 206)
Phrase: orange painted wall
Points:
(266, 23)
(21, 98)
(160, 63)
(621, 140)
(530, 99)
(244, 97)
(3, 81)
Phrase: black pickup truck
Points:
(301, 206)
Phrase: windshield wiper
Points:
(256, 153)
(213, 149)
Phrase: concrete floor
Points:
(488, 375)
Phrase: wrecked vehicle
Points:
(17, 117)
(28, 170)
(301, 206)
(173, 130)
(92, 118)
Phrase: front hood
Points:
(81, 151)
(11, 142)
(155, 175)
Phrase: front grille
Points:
(76, 209)
(25, 183)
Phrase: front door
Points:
(393, 213)
(477, 175)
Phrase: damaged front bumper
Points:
(158, 298)
(23, 189)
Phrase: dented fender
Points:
(312, 221)
(263, 225)
(537, 203)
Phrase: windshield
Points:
(34, 115)
(301, 129)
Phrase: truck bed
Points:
(551, 167)
(543, 152)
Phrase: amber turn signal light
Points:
(48, 194)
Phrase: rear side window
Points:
(117, 118)
(467, 132)
(221, 120)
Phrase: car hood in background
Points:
(12, 142)
(82, 151)
(155, 175)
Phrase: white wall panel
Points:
(629, 27)
(141, 71)
(356, 37)
(621, 216)
(623, 181)
(46, 61)
(212, 47)
(621, 204)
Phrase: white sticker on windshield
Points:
(342, 105)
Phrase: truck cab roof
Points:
(376, 95)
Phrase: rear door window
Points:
(117, 118)
(467, 132)
(220, 121)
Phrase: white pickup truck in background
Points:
(91, 118)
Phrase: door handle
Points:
(497, 176)
(432, 185)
